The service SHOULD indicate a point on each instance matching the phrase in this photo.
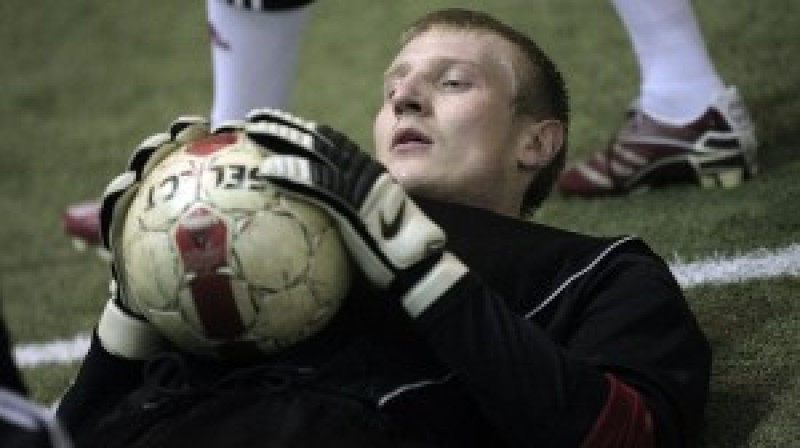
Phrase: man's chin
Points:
(421, 189)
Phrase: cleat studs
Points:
(731, 178)
(79, 244)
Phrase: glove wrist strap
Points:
(433, 285)
(124, 335)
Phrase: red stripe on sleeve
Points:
(624, 422)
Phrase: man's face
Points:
(445, 129)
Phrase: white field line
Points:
(719, 270)
(762, 263)
(59, 351)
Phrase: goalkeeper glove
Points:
(122, 330)
(394, 243)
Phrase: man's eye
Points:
(454, 83)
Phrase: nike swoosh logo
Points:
(391, 228)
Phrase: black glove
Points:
(122, 330)
(390, 238)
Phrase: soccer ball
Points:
(221, 262)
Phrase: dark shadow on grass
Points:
(738, 405)
(775, 114)
(750, 367)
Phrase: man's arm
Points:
(628, 364)
(101, 384)
(122, 340)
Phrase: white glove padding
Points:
(394, 243)
(123, 334)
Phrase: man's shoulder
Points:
(516, 255)
(473, 229)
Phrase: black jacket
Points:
(518, 353)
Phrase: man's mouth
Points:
(409, 139)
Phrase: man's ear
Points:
(541, 142)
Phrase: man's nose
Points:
(410, 98)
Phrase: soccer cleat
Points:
(718, 149)
(82, 223)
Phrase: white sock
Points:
(679, 80)
(254, 57)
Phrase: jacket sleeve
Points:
(102, 382)
(608, 368)
(646, 335)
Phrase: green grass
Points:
(84, 82)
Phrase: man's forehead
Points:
(450, 45)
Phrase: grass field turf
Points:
(83, 82)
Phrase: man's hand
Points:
(389, 237)
(122, 330)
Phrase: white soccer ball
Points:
(221, 262)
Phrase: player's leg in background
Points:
(254, 56)
(254, 52)
(10, 377)
(682, 102)
(23, 422)
(678, 78)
